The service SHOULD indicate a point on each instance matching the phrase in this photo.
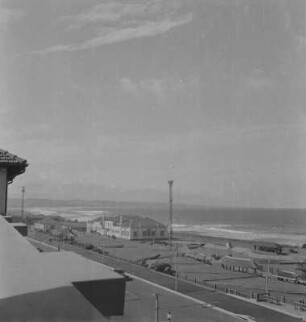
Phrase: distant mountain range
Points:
(36, 202)
(89, 192)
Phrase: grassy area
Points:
(125, 249)
(258, 285)
(187, 267)
(41, 247)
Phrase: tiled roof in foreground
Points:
(13, 163)
(9, 158)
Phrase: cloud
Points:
(8, 16)
(254, 83)
(114, 22)
(104, 13)
(129, 86)
(154, 86)
(114, 11)
(257, 80)
(143, 29)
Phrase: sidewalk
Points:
(283, 308)
(286, 310)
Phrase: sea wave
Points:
(280, 230)
(229, 231)
(69, 213)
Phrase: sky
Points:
(111, 99)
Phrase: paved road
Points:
(220, 300)
(140, 306)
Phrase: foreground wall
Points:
(107, 296)
(3, 190)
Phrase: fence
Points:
(260, 297)
(300, 305)
(213, 286)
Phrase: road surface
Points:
(223, 301)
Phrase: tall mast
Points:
(22, 201)
(170, 182)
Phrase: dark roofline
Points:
(51, 221)
(13, 163)
(47, 221)
(266, 243)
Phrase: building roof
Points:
(24, 260)
(15, 165)
(51, 221)
(70, 224)
(215, 246)
(135, 221)
(148, 222)
(47, 221)
(238, 262)
(19, 224)
(143, 222)
(26, 272)
(259, 243)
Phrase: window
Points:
(135, 234)
(162, 233)
(153, 233)
(144, 233)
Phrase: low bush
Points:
(89, 246)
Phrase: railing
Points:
(300, 305)
(279, 300)
(260, 297)
(215, 287)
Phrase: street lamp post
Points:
(176, 265)
(22, 201)
(156, 307)
(170, 182)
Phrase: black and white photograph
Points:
(152, 160)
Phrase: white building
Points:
(130, 227)
(95, 226)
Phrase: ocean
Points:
(279, 225)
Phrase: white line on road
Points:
(157, 285)
(191, 298)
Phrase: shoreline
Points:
(235, 242)
(195, 236)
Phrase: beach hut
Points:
(267, 247)
(238, 264)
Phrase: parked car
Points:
(122, 272)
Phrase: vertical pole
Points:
(103, 251)
(3, 190)
(176, 273)
(22, 201)
(156, 307)
(6, 192)
(5, 204)
(267, 277)
(170, 182)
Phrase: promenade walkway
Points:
(261, 313)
